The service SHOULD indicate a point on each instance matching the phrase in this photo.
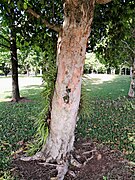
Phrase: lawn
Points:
(111, 118)
(17, 119)
(112, 114)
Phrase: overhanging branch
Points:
(51, 26)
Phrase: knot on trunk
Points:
(66, 97)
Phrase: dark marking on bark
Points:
(68, 90)
(81, 51)
(66, 97)
(66, 72)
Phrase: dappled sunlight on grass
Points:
(111, 117)
(104, 88)
(26, 85)
(111, 122)
(17, 119)
(100, 78)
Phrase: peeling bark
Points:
(71, 50)
(72, 42)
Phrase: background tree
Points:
(115, 27)
(10, 17)
(16, 33)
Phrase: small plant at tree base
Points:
(49, 77)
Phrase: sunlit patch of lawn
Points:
(107, 86)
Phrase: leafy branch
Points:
(54, 27)
(4, 46)
(1, 36)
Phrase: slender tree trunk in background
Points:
(131, 71)
(14, 64)
(70, 58)
(41, 71)
(131, 92)
(120, 69)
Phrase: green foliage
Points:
(92, 63)
(113, 23)
(4, 63)
(49, 77)
(85, 103)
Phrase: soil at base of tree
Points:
(99, 163)
(22, 100)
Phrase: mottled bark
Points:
(70, 60)
(14, 63)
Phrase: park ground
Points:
(105, 136)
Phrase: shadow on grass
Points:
(112, 115)
(31, 92)
(111, 123)
(17, 123)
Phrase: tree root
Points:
(61, 168)
(88, 152)
(87, 160)
(74, 162)
(38, 156)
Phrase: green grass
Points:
(107, 87)
(17, 123)
(110, 119)
(112, 116)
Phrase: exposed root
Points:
(88, 152)
(37, 156)
(72, 173)
(62, 170)
(87, 160)
(48, 164)
(74, 162)
(86, 144)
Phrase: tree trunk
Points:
(131, 92)
(120, 69)
(70, 60)
(14, 64)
